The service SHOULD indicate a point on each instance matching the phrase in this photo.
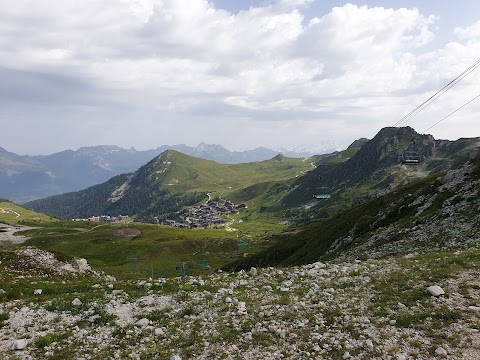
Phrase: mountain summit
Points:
(375, 166)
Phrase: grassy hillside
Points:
(168, 183)
(182, 173)
(156, 249)
(13, 214)
(428, 213)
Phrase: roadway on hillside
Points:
(2, 210)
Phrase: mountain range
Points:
(168, 183)
(366, 170)
(26, 178)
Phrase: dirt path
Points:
(229, 223)
(11, 233)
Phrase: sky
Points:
(240, 73)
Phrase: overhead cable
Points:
(438, 94)
(453, 112)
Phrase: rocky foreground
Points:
(415, 306)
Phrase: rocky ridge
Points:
(447, 217)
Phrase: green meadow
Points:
(155, 251)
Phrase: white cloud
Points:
(352, 70)
(470, 33)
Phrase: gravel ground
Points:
(343, 310)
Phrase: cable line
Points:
(453, 112)
(438, 94)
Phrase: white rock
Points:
(175, 357)
(81, 265)
(159, 332)
(228, 300)
(401, 357)
(435, 290)
(76, 302)
(369, 344)
(474, 309)
(441, 352)
(143, 322)
(346, 355)
(253, 271)
(37, 292)
(241, 310)
(19, 344)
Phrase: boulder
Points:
(143, 322)
(81, 265)
(19, 344)
(77, 302)
(441, 352)
(435, 290)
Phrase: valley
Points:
(385, 266)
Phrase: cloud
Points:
(470, 33)
(352, 70)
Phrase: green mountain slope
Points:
(428, 213)
(376, 168)
(11, 213)
(167, 184)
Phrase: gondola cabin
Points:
(410, 158)
(322, 196)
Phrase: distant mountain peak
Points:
(99, 149)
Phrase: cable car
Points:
(322, 196)
(410, 158)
